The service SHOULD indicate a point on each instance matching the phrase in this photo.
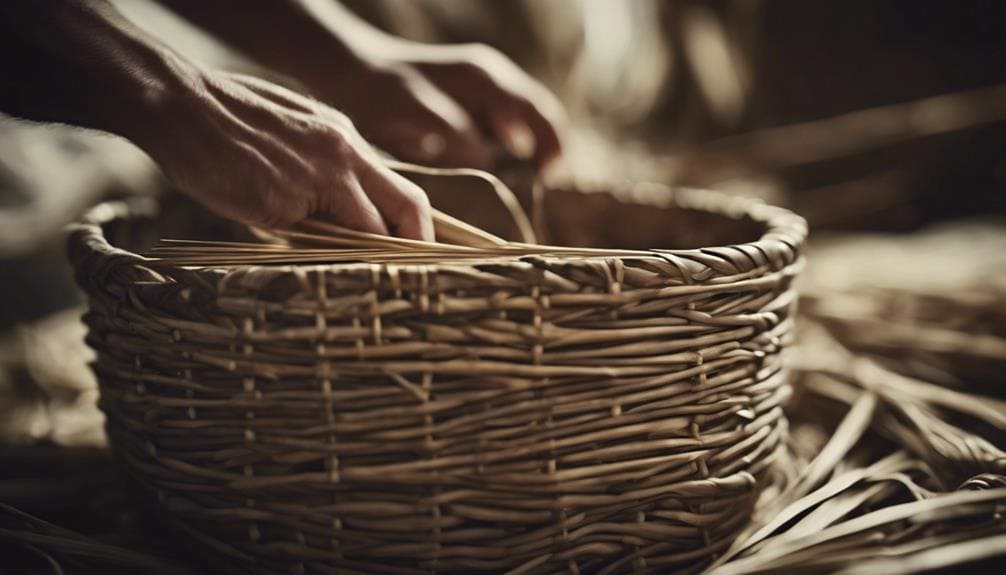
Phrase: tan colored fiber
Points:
(448, 409)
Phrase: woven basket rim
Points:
(778, 246)
(526, 415)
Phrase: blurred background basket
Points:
(537, 414)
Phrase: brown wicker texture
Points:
(543, 414)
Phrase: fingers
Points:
(347, 204)
(512, 131)
(403, 204)
(511, 107)
(548, 145)
(436, 143)
(524, 130)
(269, 157)
(429, 127)
(465, 148)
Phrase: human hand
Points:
(247, 149)
(264, 155)
(451, 105)
(447, 105)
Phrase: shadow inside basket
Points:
(624, 217)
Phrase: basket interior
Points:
(639, 219)
(571, 218)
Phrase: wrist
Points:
(85, 65)
(151, 97)
(335, 48)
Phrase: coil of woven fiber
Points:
(538, 414)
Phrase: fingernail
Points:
(519, 141)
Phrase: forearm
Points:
(245, 148)
(427, 103)
(304, 39)
(80, 62)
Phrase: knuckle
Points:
(476, 61)
(333, 121)
(536, 102)
(477, 51)
(396, 78)
(421, 200)
(491, 60)
(281, 210)
(334, 139)
(415, 202)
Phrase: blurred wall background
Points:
(863, 114)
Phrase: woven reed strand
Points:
(542, 415)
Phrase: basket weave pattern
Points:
(544, 414)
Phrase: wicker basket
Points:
(539, 415)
